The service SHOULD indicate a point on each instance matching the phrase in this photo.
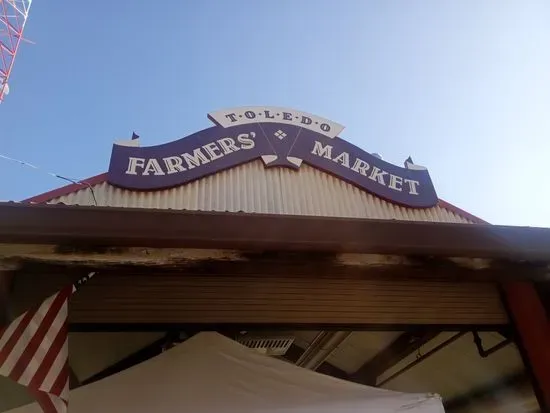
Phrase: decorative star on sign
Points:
(280, 134)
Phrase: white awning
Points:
(210, 373)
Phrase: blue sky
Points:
(462, 86)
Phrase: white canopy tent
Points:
(210, 373)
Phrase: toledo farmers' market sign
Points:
(280, 137)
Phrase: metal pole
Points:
(321, 348)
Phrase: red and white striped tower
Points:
(13, 16)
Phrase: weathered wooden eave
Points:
(118, 238)
(37, 258)
(127, 227)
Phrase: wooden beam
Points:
(532, 324)
(403, 346)
(62, 225)
(220, 262)
(90, 327)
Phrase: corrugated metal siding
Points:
(255, 189)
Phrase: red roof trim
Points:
(66, 190)
(461, 212)
(94, 180)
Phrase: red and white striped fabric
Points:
(34, 351)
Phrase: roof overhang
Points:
(110, 237)
(497, 251)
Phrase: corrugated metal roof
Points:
(253, 188)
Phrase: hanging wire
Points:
(74, 181)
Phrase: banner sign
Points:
(280, 137)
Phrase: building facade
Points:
(268, 222)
